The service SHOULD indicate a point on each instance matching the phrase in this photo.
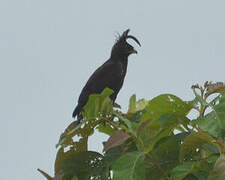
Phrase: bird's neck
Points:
(123, 64)
(121, 58)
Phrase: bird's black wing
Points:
(110, 75)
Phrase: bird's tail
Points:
(77, 112)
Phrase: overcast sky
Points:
(49, 48)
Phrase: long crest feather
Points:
(125, 36)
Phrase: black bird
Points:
(111, 74)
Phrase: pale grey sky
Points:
(49, 48)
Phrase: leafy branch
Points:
(154, 139)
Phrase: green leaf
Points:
(136, 106)
(82, 133)
(130, 126)
(132, 105)
(98, 105)
(163, 157)
(61, 156)
(173, 121)
(165, 126)
(218, 172)
(106, 129)
(188, 168)
(129, 166)
(149, 136)
(136, 117)
(179, 172)
(192, 142)
(201, 175)
(75, 178)
(112, 155)
(141, 104)
(85, 165)
(214, 122)
(166, 104)
(167, 112)
(67, 135)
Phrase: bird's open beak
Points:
(133, 51)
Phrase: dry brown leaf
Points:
(214, 87)
(118, 138)
(143, 125)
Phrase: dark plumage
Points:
(111, 74)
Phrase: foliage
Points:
(156, 139)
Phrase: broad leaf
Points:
(82, 133)
(189, 168)
(143, 125)
(118, 138)
(105, 128)
(98, 105)
(163, 157)
(85, 165)
(61, 156)
(192, 142)
(174, 121)
(149, 136)
(132, 105)
(129, 166)
(167, 112)
(166, 104)
(130, 126)
(214, 122)
(135, 106)
(113, 154)
(66, 137)
(218, 172)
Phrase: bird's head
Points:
(121, 48)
